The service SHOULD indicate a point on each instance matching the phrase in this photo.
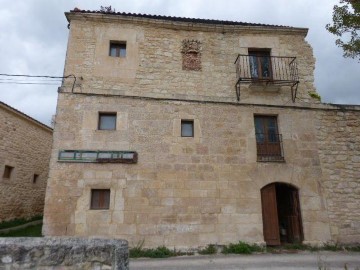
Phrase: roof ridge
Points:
(25, 115)
(175, 18)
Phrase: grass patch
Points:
(315, 95)
(354, 248)
(31, 231)
(18, 222)
(237, 248)
(210, 249)
(242, 248)
(331, 247)
(160, 252)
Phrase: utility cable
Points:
(38, 76)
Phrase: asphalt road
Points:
(305, 260)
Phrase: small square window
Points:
(117, 49)
(187, 128)
(35, 178)
(100, 199)
(107, 121)
(7, 172)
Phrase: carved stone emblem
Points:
(191, 54)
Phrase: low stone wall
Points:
(63, 253)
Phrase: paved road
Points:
(306, 260)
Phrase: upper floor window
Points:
(117, 49)
(268, 139)
(260, 63)
(107, 121)
(187, 128)
(7, 172)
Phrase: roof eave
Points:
(194, 25)
(25, 116)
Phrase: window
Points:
(100, 199)
(7, 172)
(107, 121)
(268, 140)
(117, 49)
(187, 128)
(260, 64)
(35, 178)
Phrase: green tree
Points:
(346, 25)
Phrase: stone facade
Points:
(25, 146)
(339, 144)
(191, 191)
(63, 253)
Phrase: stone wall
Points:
(183, 192)
(63, 253)
(25, 145)
(338, 134)
(189, 192)
(153, 65)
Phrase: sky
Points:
(33, 40)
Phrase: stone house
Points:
(185, 132)
(25, 147)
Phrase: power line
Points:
(29, 79)
(14, 81)
(44, 83)
(35, 76)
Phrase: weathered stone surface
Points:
(63, 253)
(338, 136)
(188, 192)
(173, 193)
(25, 145)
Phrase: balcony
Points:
(266, 69)
(269, 147)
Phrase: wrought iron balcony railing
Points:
(267, 69)
(269, 147)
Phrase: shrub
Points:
(315, 95)
(159, 252)
(331, 247)
(210, 249)
(241, 248)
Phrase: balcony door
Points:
(268, 140)
(260, 64)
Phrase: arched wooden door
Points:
(270, 215)
(281, 214)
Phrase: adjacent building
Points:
(25, 147)
(186, 132)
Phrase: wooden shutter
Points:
(270, 215)
(294, 219)
(100, 199)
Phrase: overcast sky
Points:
(33, 38)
